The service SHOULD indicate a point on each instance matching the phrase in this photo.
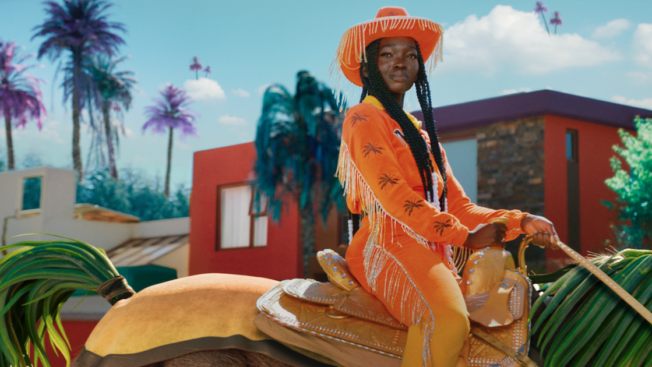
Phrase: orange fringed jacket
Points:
(379, 176)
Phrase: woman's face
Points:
(398, 63)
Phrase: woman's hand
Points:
(486, 235)
(542, 230)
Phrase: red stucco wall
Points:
(594, 151)
(280, 259)
(77, 333)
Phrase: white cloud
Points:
(639, 77)
(642, 44)
(642, 103)
(508, 39)
(512, 91)
(204, 89)
(263, 88)
(241, 92)
(611, 29)
(232, 120)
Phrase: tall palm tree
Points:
(540, 8)
(297, 143)
(556, 20)
(112, 89)
(80, 28)
(169, 113)
(20, 96)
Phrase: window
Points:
(571, 145)
(239, 225)
(31, 193)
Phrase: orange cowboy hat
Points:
(390, 21)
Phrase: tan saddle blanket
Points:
(351, 326)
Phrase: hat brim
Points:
(354, 41)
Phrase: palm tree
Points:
(540, 8)
(20, 96)
(112, 89)
(297, 143)
(81, 28)
(196, 66)
(169, 113)
(556, 20)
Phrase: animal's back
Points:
(191, 308)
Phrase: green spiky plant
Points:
(587, 324)
(35, 281)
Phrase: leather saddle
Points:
(340, 323)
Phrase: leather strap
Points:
(115, 289)
(497, 344)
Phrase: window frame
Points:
(252, 218)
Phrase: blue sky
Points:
(603, 50)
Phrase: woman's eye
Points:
(412, 56)
(386, 54)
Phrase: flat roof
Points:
(475, 114)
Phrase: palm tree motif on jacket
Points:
(357, 118)
(297, 144)
(20, 96)
(371, 148)
(410, 205)
(386, 179)
(168, 113)
(440, 226)
(80, 28)
(556, 20)
(112, 89)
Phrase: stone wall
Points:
(510, 165)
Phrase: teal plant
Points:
(633, 203)
(132, 194)
(297, 144)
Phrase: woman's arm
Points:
(472, 215)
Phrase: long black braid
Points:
(375, 86)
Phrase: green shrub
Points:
(133, 194)
(633, 187)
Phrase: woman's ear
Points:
(364, 71)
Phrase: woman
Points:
(416, 217)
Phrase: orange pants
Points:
(418, 289)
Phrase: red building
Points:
(543, 152)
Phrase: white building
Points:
(127, 240)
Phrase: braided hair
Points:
(375, 86)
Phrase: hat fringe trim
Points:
(352, 45)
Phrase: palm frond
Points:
(587, 324)
(36, 279)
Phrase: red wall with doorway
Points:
(594, 151)
(280, 259)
